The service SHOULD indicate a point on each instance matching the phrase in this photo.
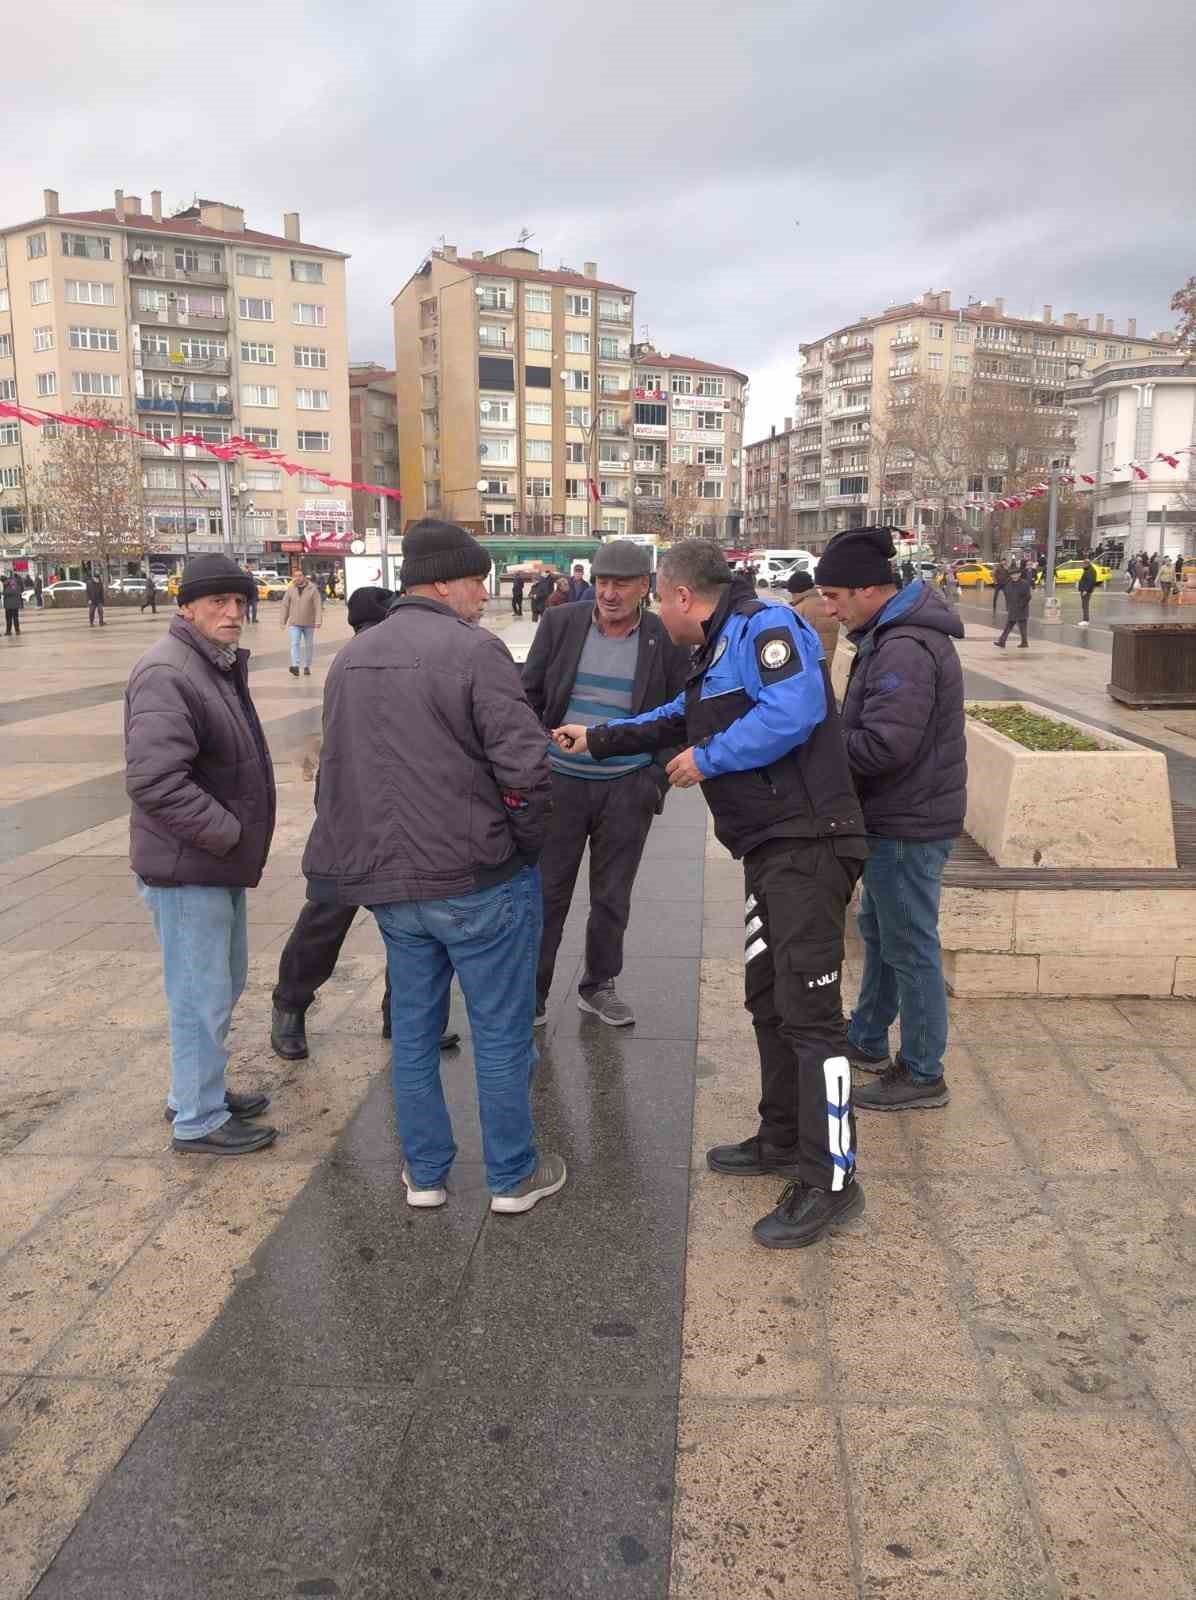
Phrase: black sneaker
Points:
(288, 1034)
(867, 1063)
(243, 1107)
(752, 1159)
(802, 1215)
(898, 1090)
(294, 671)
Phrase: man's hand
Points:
(683, 770)
(572, 738)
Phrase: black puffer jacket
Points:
(903, 719)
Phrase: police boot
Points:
(802, 1215)
(288, 1035)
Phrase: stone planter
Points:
(1075, 808)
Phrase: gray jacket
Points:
(434, 778)
(197, 767)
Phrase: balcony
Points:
(810, 422)
(205, 408)
(863, 348)
(489, 310)
(903, 372)
(620, 318)
(159, 272)
(495, 339)
(649, 466)
(854, 381)
(619, 430)
(857, 408)
(907, 341)
(834, 440)
(617, 395)
(214, 367)
(845, 499)
(614, 466)
(810, 503)
(814, 476)
(614, 499)
(172, 317)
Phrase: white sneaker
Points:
(1081, 624)
(425, 1199)
(548, 1177)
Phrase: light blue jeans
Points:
(205, 959)
(903, 961)
(305, 636)
(491, 940)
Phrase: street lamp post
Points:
(178, 388)
(1050, 605)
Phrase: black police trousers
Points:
(798, 891)
(310, 954)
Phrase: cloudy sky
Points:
(760, 173)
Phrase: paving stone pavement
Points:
(270, 1378)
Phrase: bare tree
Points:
(925, 437)
(1184, 301)
(684, 512)
(87, 493)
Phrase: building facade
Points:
(374, 435)
(769, 486)
(1131, 411)
(191, 318)
(842, 471)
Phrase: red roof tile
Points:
(179, 227)
(568, 280)
(653, 358)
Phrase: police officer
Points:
(763, 739)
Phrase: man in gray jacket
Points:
(433, 805)
(202, 789)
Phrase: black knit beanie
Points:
(799, 583)
(438, 552)
(857, 559)
(205, 575)
(368, 606)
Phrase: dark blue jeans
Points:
(903, 963)
(491, 940)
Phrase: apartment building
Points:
(194, 318)
(768, 519)
(1133, 410)
(854, 380)
(374, 435)
(687, 444)
(514, 395)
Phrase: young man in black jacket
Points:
(598, 657)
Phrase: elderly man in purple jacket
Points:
(201, 783)
(903, 724)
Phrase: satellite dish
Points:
(222, 391)
(665, 354)
(485, 406)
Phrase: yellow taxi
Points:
(172, 586)
(973, 574)
(270, 586)
(1070, 571)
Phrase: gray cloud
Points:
(1040, 154)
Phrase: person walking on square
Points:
(94, 585)
(1017, 608)
(517, 583)
(903, 723)
(13, 601)
(1166, 579)
(762, 737)
(1085, 586)
(1000, 579)
(302, 614)
(251, 611)
(149, 595)
(598, 657)
(39, 590)
(201, 783)
(434, 803)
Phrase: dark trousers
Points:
(997, 593)
(12, 621)
(613, 816)
(310, 954)
(251, 610)
(1085, 602)
(517, 604)
(151, 600)
(797, 896)
(1011, 623)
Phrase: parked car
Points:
(1069, 572)
(127, 586)
(973, 574)
(270, 586)
(64, 586)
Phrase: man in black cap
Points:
(310, 955)
(600, 657)
(903, 724)
(202, 791)
(434, 801)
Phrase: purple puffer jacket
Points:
(903, 719)
(197, 767)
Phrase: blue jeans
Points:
(491, 940)
(903, 962)
(205, 959)
(305, 636)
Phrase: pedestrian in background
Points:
(579, 587)
(425, 717)
(1085, 587)
(199, 776)
(517, 583)
(559, 595)
(1153, 569)
(302, 614)
(541, 589)
(808, 603)
(1167, 578)
(94, 585)
(1000, 579)
(149, 595)
(38, 592)
(251, 610)
(903, 724)
(13, 601)
(1017, 608)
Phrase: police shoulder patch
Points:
(777, 655)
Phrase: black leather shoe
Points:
(752, 1159)
(294, 671)
(448, 1041)
(802, 1215)
(233, 1139)
(242, 1106)
(288, 1036)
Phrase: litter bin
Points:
(1154, 664)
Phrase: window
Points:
(105, 383)
(148, 299)
(959, 363)
(538, 412)
(712, 387)
(187, 259)
(1092, 347)
(95, 246)
(959, 394)
(314, 440)
(253, 266)
(612, 488)
(496, 373)
(310, 316)
(679, 383)
(10, 477)
(35, 245)
(314, 485)
(578, 344)
(497, 450)
(264, 438)
(575, 488)
(262, 479)
(495, 408)
(610, 452)
(155, 345)
(43, 339)
(311, 400)
(495, 297)
(201, 348)
(1112, 351)
(576, 527)
(307, 271)
(161, 478)
(610, 349)
(962, 335)
(537, 338)
(538, 488)
(577, 305)
(8, 388)
(310, 355)
(252, 309)
(612, 310)
(712, 421)
(10, 433)
(259, 394)
(709, 455)
(935, 362)
(47, 383)
(578, 416)
(611, 383)
(39, 293)
(537, 299)
(710, 489)
(683, 455)
(651, 416)
(93, 339)
(539, 449)
(575, 454)
(935, 330)
(577, 379)
(260, 355)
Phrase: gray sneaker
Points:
(605, 1004)
(548, 1177)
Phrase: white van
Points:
(774, 566)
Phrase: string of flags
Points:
(233, 449)
(1080, 481)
